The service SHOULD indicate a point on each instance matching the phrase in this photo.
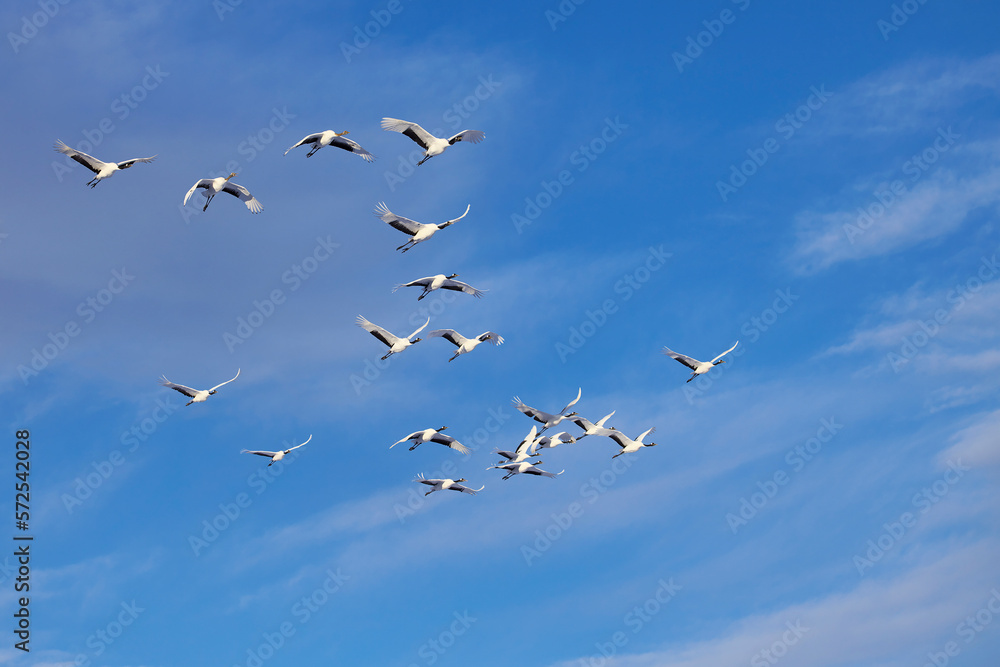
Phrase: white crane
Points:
(275, 456)
(432, 145)
(432, 435)
(465, 344)
(395, 343)
(699, 367)
(441, 281)
(524, 468)
(442, 484)
(629, 445)
(550, 441)
(331, 138)
(546, 419)
(590, 428)
(420, 231)
(214, 186)
(196, 395)
(521, 453)
(102, 169)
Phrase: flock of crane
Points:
(515, 462)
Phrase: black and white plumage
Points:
(214, 186)
(442, 484)
(465, 344)
(275, 456)
(102, 169)
(395, 343)
(331, 138)
(590, 428)
(432, 145)
(629, 445)
(196, 395)
(441, 281)
(419, 231)
(523, 449)
(547, 420)
(524, 468)
(699, 367)
(550, 441)
(432, 435)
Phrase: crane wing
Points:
(459, 286)
(377, 331)
(187, 391)
(450, 335)
(308, 139)
(227, 381)
(472, 136)
(203, 183)
(573, 402)
(128, 163)
(404, 225)
(354, 147)
(454, 220)
(243, 195)
(424, 326)
(683, 358)
(88, 161)
(726, 352)
(411, 130)
(297, 446)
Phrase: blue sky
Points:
(819, 183)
